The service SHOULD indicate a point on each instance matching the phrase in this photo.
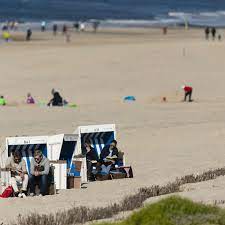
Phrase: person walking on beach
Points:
(43, 26)
(207, 31)
(76, 25)
(213, 32)
(64, 29)
(187, 92)
(55, 29)
(29, 34)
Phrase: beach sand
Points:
(161, 141)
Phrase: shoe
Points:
(23, 195)
(20, 195)
(40, 195)
(31, 194)
(16, 194)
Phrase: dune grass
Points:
(175, 211)
(82, 214)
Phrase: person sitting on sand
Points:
(56, 100)
(30, 99)
(109, 156)
(187, 92)
(39, 171)
(18, 169)
(2, 100)
(91, 157)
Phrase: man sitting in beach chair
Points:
(92, 159)
(109, 157)
(17, 166)
(39, 173)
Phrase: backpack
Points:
(7, 192)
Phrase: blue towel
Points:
(129, 98)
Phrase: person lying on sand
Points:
(18, 169)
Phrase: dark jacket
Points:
(105, 152)
(91, 155)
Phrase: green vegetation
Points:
(175, 211)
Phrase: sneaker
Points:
(31, 194)
(23, 195)
(16, 194)
(20, 195)
(40, 195)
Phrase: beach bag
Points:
(7, 192)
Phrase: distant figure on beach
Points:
(29, 34)
(2, 100)
(55, 29)
(82, 26)
(95, 26)
(6, 35)
(207, 31)
(43, 26)
(56, 100)
(76, 25)
(4, 27)
(219, 37)
(187, 92)
(213, 32)
(30, 99)
(165, 30)
(64, 29)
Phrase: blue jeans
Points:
(42, 182)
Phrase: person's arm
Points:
(8, 163)
(24, 167)
(46, 168)
(50, 102)
(32, 167)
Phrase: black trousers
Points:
(188, 94)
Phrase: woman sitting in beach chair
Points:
(92, 159)
(17, 166)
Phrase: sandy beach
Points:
(161, 140)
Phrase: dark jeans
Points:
(188, 94)
(42, 182)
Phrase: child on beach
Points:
(2, 100)
(30, 99)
